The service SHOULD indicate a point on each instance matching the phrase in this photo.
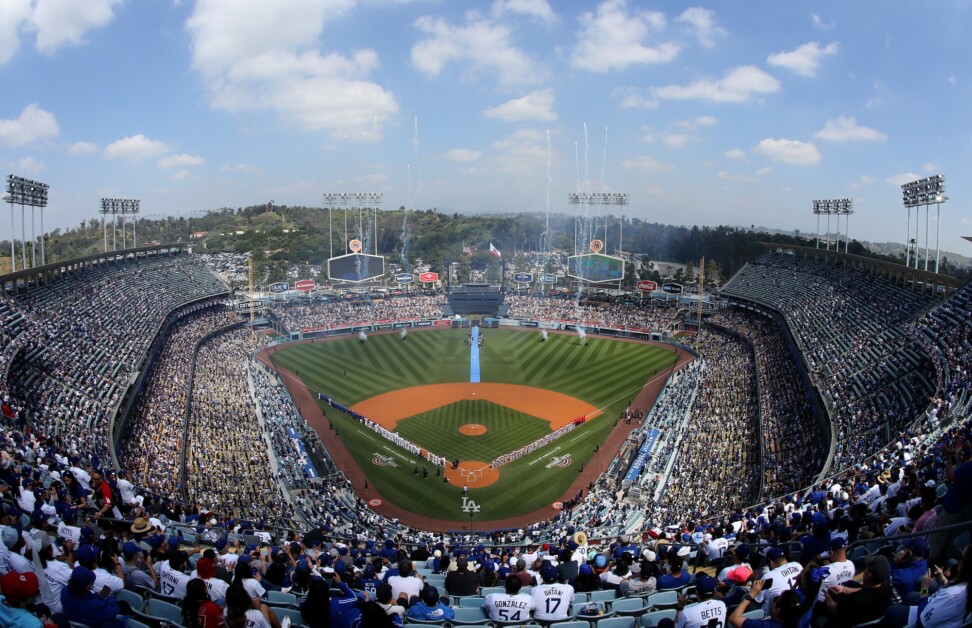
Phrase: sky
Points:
(737, 113)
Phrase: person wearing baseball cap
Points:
(909, 565)
(92, 609)
(552, 599)
(706, 609)
(462, 581)
(841, 570)
(18, 589)
(137, 567)
(429, 607)
(781, 575)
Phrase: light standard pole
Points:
(922, 193)
(25, 192)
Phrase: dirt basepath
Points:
(339, 453)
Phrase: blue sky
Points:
(704, 113)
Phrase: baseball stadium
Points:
(495, 389)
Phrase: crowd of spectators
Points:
(717, 464)
(151, 449)
(855, 331)
(227, 465)
(296, 316)
(605, 314)
(82, 336)
(59, 493)
(793, 447)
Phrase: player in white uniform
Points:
(552, 599)
(511, 605)
(783, 575)
(706, 612)
(172, 578)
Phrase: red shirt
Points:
(211, 615)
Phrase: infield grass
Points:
(605, 373)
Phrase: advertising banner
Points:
(428, 277)
(523, 277)
(305, 285)
(280, 286)
(673, 288)
(647, 286)
(404, 278)
(548, 278)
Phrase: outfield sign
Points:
(548, 278)
(647, 286)
(672, 288)
(280, 286)
(428, 277)
(305, 285)
(523, 277)
(246, 305)
(404, 278)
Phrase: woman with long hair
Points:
(198, 610)
(243, 611)
(316, 607)
(951, 606)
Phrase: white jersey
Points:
(106, 579)
(552, 601)
(699, 615)
(216, 587)
(506, 607)
(946, 609)
(783, 578)
(171, 582)
(57, 573)
(840, 571)
(715, 548)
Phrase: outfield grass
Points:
(605, 373)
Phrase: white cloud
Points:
(805, 59)
(524, 150)
(24, 166)
(536, 105)
(765, 170)
(82, 148)
(725, 175)
(739, 84)
(241, 167)
(671, 140)
(931, 167)
(486, 46)
(735, 153)
(13, 13)
(793, 152)
(538, 9)
(860, 183)
(613, 39)
(264, 56)
(703, 24)
(180, 175)
(845, 129)
(706, 120)
(55, 23)
(62, 22)
(819, 23)
(32, 124)
(175, 161)
(135, 148)
(634, 98)
(696, 122)
(463, 155)
(902, 178)
(645, 162)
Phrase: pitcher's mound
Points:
(472, 429)
(471, 473)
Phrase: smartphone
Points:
(767, 583)
(105, 591)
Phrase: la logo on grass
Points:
(469, 505)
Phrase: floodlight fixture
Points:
(360, 201)
(923, 193)
(26, 193)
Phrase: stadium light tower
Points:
(845, 207)
(601, 199)
(26, 193)
(924, 193)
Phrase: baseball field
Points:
(418, 386)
